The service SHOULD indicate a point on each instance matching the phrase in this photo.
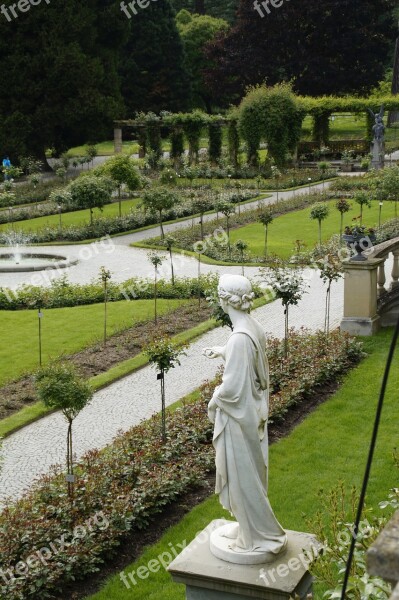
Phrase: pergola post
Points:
(118, 140)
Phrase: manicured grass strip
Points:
(330, 446)
(206, 260)
(29, 414)
(65, 331)
(285, 230)
(105, 149)
(216, 183)
(32, 413)
(76, 218)
(132, 364)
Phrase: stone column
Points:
(360, 297)
(118, 140)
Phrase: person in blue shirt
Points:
(6, 166)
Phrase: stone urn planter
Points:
(359, 241)
(347, 167)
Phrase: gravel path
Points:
(123, 262)
(32, 450)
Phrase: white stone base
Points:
(209, 578)
(220, 545)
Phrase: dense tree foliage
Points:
(59, 83)
(220, 9)
(196, 31)
(329, 47)
(69, 68)
(153, 73)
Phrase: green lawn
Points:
(79, 217)
(285, 230)
(65, 330)
(344, 126)
(330, 446)
(347, 126)
(105, 149)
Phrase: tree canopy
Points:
(59, 83)
(329, 47)
(69, 68)
(196, 31)
(153, 73)
(220, 9)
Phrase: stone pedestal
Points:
(360, 297)
(377, 151)
(383, 555)
(118, 140)
(209, 578)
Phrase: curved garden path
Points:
(32, 450)
(123, 261)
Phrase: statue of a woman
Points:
(239, 410)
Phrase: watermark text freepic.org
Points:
(164, 559)
(44, 555)
(131, 7)
(306, 557)
(10, 12)
(263, 8)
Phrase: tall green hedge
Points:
(275, 115)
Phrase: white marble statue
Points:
(239, 410)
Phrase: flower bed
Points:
(25, 193)
(134, 220)
(46, 541)
(217, 248)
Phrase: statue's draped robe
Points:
(241, 442)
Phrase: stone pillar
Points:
(209, 578)
(383, 555)
(360, 297)
(118, 140)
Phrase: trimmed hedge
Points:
(124, 486)
(62, 293)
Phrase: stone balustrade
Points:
(368, 303)
(383, 555)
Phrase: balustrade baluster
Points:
(381, 278)
(395, 269)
